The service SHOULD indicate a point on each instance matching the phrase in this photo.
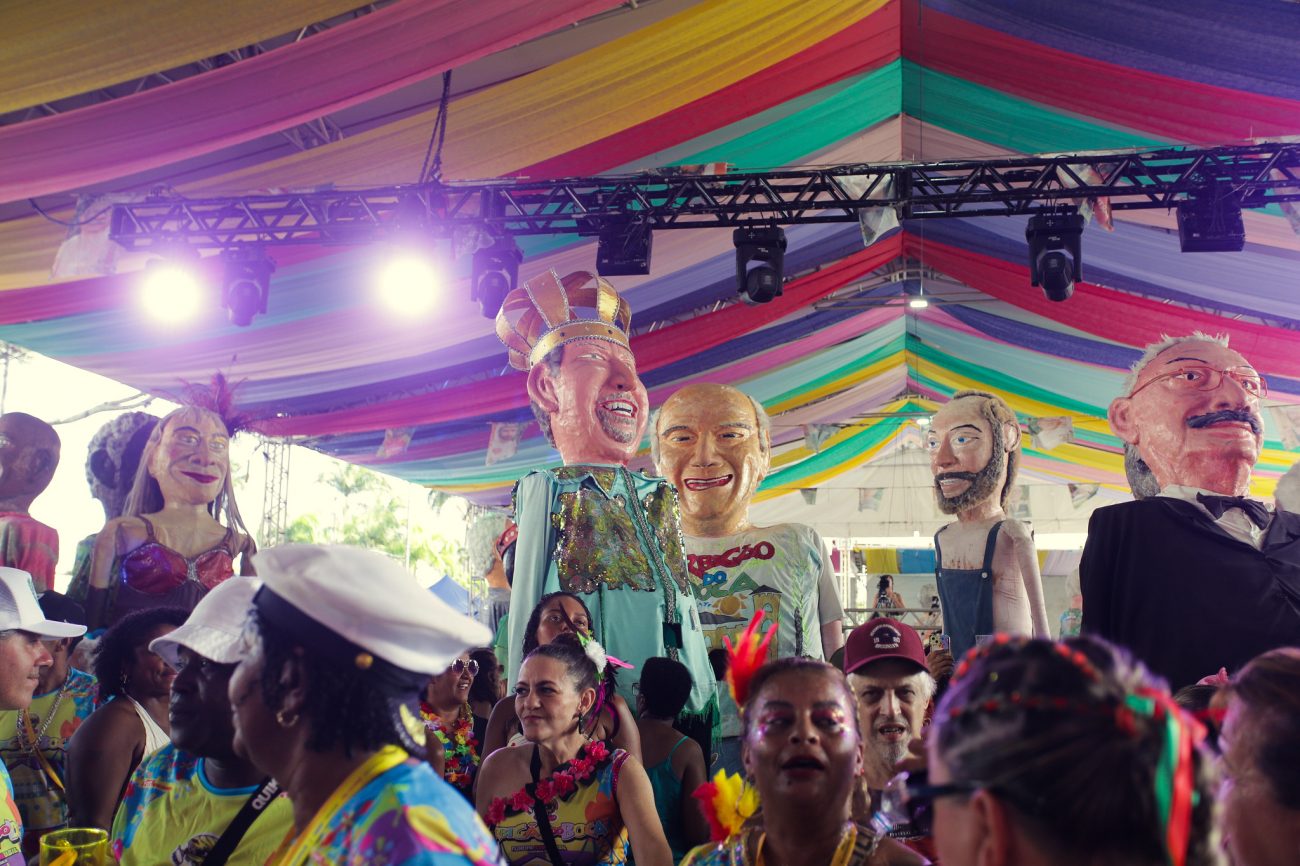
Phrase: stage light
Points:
(760, 262)
(246, 284)
(1055, 261)
(171, 289)
(1211, 225)
(623, 250)
(410, 282)
(495, 274)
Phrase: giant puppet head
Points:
(113, 458)
(974, 445)
(1191, 411)
(571, 337)
(29, 454)
(714, 443)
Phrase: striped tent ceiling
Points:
(757, 84)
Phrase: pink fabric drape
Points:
(1112, 315)
(396, 46)
(652, 350)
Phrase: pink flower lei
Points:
(566, 779)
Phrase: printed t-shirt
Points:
(41, 802)
(172, 814)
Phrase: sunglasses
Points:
(460, 666)
(909, 798)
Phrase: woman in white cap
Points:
(339, 644)
(563, 799)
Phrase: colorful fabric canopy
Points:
(756, 84)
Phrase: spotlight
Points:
(1211, 225)
(246, 284)
(760, 262)
(1055, 262)
(171, 289)
(624, 250)
(495, 274)
(409, 282)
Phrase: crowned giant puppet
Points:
(593, 527)
(1198, 576)
(986, 563)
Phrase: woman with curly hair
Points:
(556, 614)
(566, 800)
(131, 723)
(1065, 753)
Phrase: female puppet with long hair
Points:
(169, 547)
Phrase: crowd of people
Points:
(314, 704)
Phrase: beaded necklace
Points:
(460, 749)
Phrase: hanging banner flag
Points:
(1081, 493)
(815, 436)
(1048, 433)
(88, 251)
(396, 441)
(1020, 502)
(1288, 423)
(869, 498)
(503, 442)
(809, 495)
(874, 222)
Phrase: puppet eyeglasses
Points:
(1200, 378)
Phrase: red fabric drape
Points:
(1129, 319)
(396, 46)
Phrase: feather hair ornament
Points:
(727, 803)
(746, 657)
(218, 397)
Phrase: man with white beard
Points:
(885, 663)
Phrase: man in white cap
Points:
(194, 800)
(22, 655)
(325, 699)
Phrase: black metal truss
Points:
(1248, 176)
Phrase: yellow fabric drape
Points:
(59, 48)
(497, 131)
(880, 560)
(574, 102)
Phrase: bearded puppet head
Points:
(1191, 411)
(571, 336)
(974, 445)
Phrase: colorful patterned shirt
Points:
(582, 806)
(405, 816)
(613, 537)
(55, 717)
(28, 544)
(11, 827)
(172, 814)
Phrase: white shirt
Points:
(1234, 521)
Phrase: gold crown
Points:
(547, 312)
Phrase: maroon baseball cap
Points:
(882, 638)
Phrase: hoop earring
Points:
(286, 720)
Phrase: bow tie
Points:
(1216, 505)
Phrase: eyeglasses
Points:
(908, 799)
(1201, 378)
(460, 666)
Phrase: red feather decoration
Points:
(746, 657)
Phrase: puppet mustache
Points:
(1245, 416)
(956, 476)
